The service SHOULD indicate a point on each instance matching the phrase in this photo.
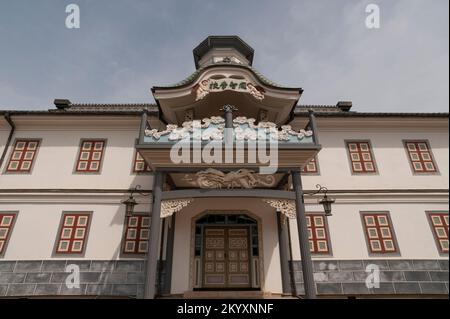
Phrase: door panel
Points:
(238, 261)
(226, 262)
(214, 257)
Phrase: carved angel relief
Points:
(243, 178)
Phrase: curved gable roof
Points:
(194, 76)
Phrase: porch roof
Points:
(249, 145)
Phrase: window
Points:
(311, 167)
(6, 224)
(73, 233)
(23, 156)
(90, 156)
(379, 233)
(140, 166)
(420, 157)
(136, 234)
(439, 224)
(361, 157)
(318, 234)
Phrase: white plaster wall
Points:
(35, 231)
(4, 132)
(54, 166)
(394, 171)
(55, 161)
(414, 234)
(183, 237)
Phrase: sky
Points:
(123, 48)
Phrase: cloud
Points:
(18, 100)
(123, 49)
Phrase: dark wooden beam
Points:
(202, 193)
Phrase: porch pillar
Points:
(307, 265)
(155, 234)
(169, 257)
(228, 110)
(283, 240)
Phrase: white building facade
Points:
(222, 227)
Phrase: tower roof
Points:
(222, 42)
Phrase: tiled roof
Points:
(317, 108)
(334, 110)
(194, 75)
(137, 108)
(381, 114)
(92, 109)
(104, 107)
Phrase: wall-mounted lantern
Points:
(130, 202)
(325, 201)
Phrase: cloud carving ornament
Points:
(212, 129)
(267, 128)
(169, 207)
(284, 206)
(208, 131)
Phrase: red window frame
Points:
(439, 225)
(136, 235)
(319, 242)
(69, 239)
(89, 160)
(420, 157)
(311, 167)
(23, 154)
(361, 157)
(139, 161)
(7, 220)
(379, 233)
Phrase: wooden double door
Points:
(226, 257)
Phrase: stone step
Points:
(226, 295)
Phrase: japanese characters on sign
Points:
(219, 85)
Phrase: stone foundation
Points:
(397, 277)
(125, 278)
(120, 278)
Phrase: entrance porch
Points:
(226, 240)
(222, 256)
(226, 244)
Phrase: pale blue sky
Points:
(123, 48)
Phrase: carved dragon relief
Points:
(243, 178)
